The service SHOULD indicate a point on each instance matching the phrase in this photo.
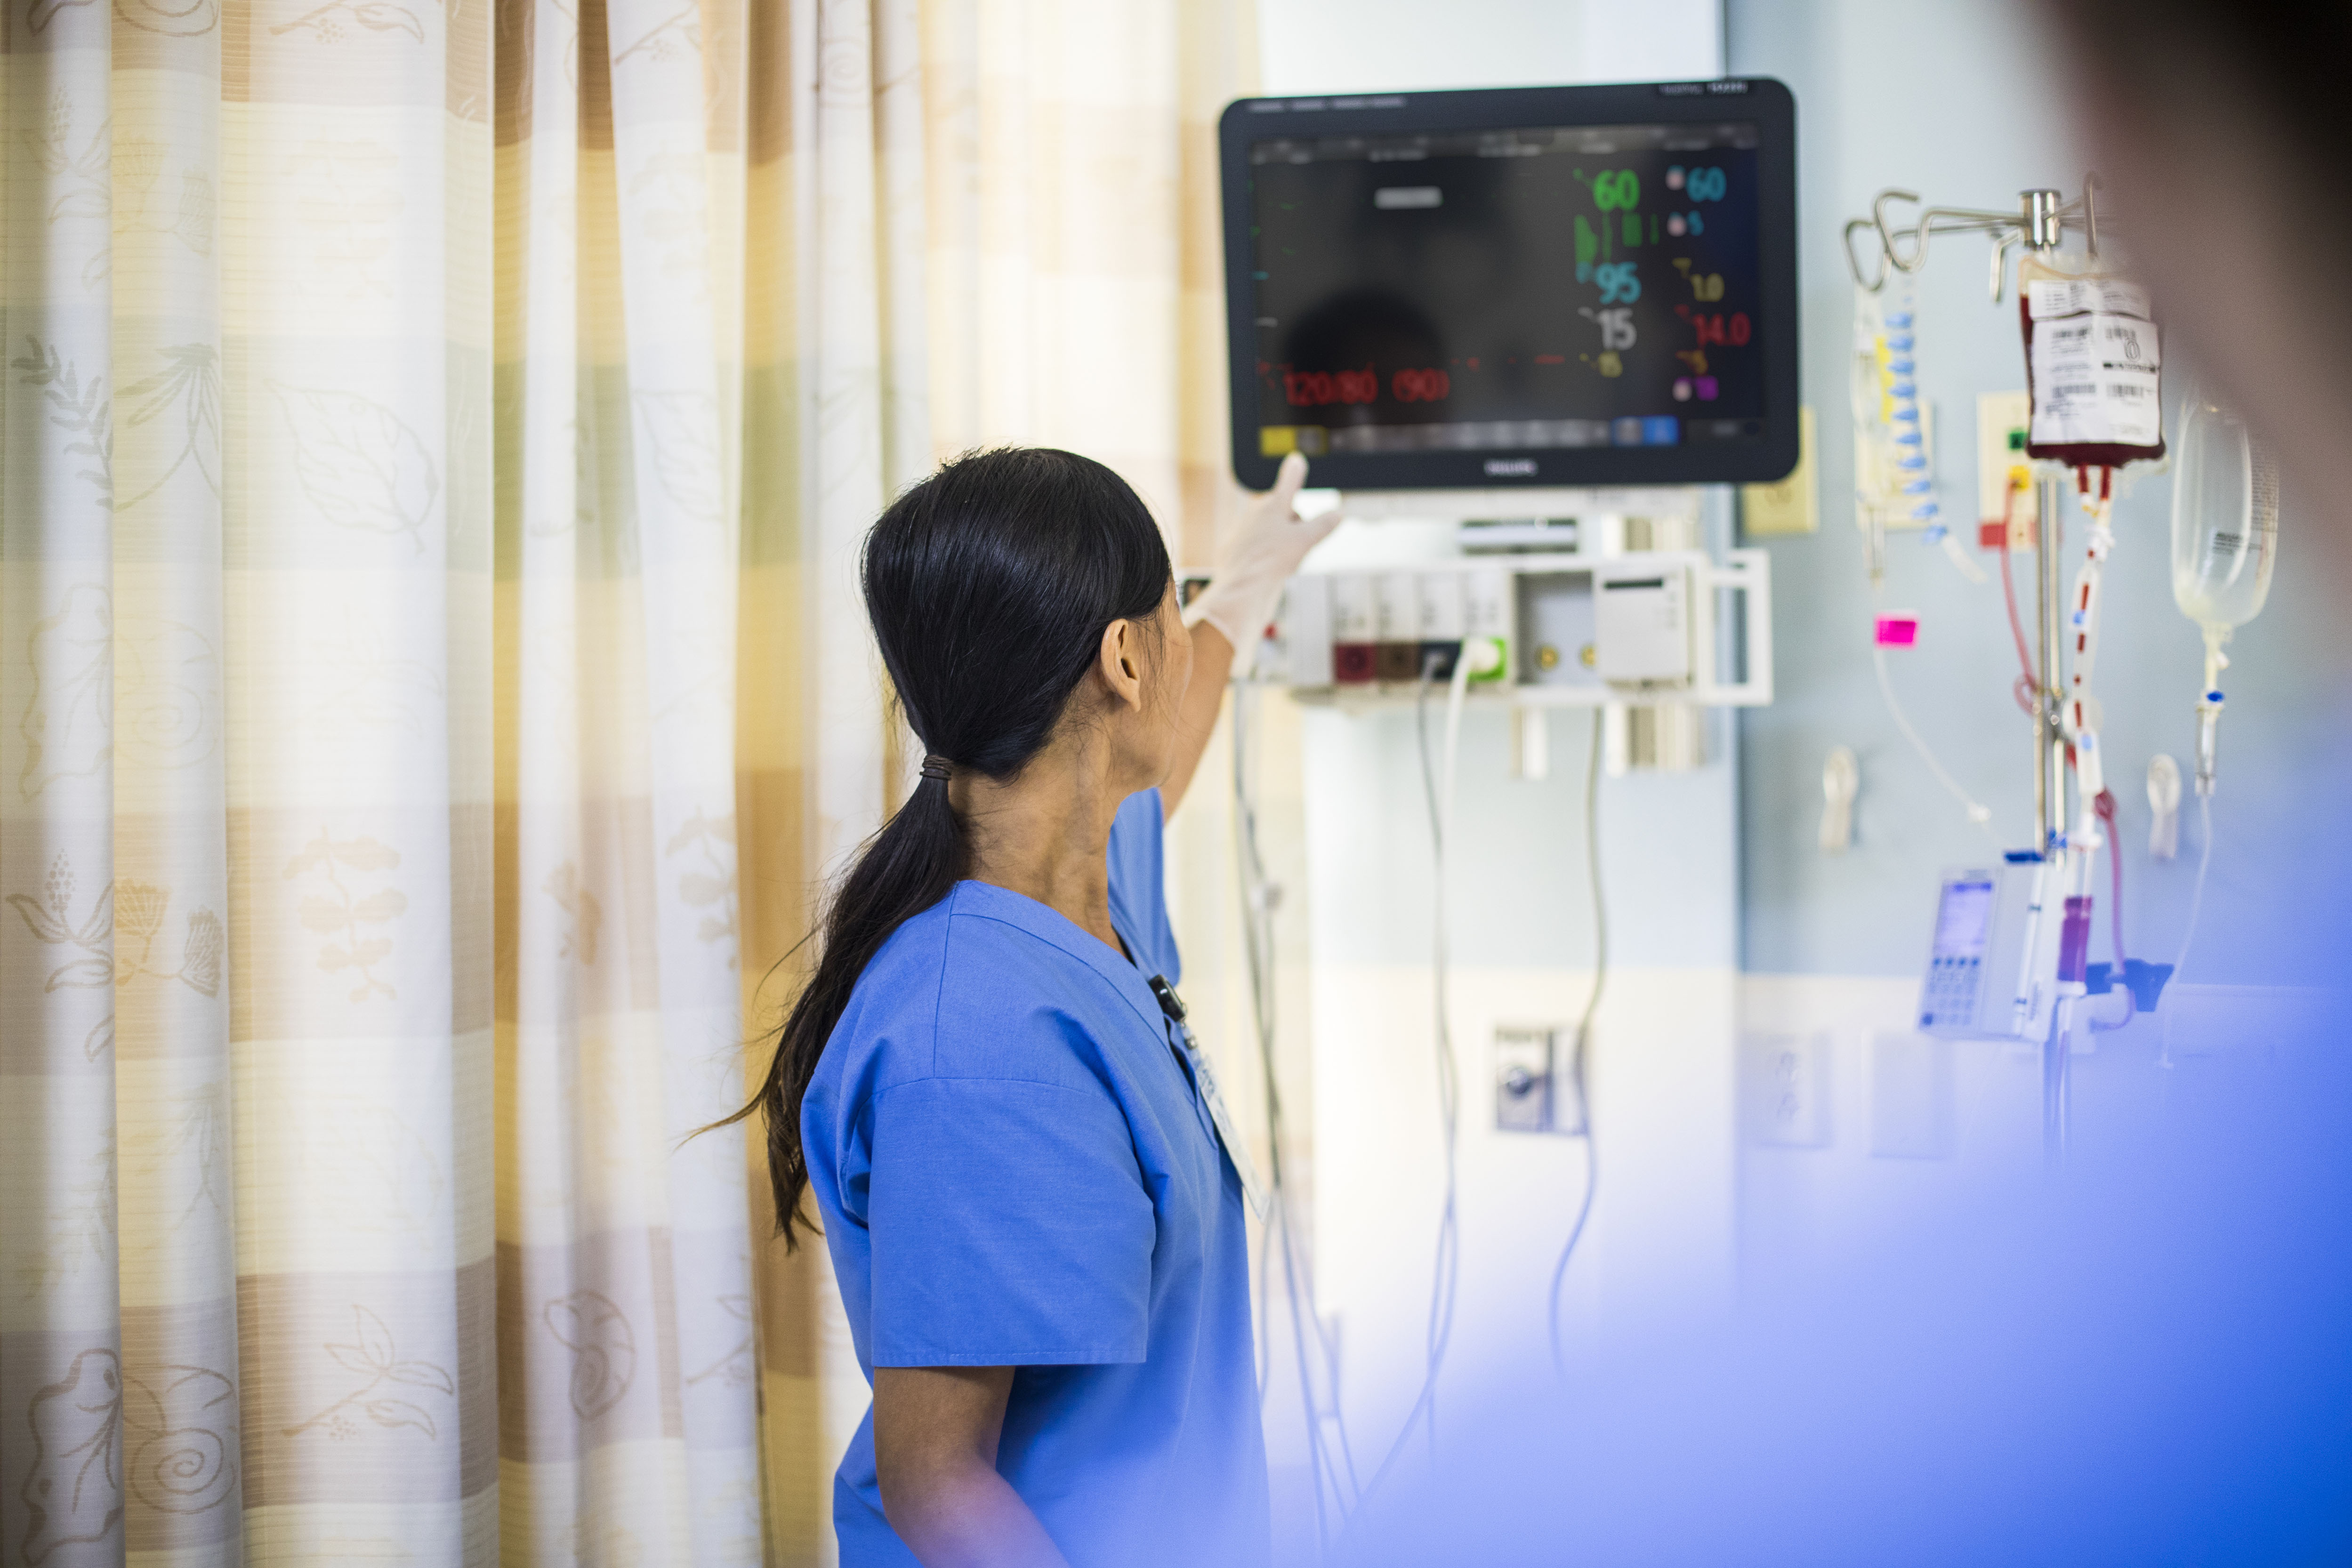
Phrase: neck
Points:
(1044, 835)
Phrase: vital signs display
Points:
(1548, 286)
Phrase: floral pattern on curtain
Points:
(245, 1281)
(367, 799)
(433, 687)
(625, 1353)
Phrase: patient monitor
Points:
(1586, 285)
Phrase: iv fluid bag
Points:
(2225, 517)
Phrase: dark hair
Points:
(990, 584)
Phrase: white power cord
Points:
(1478, 657)
(1258, 898)
(1578, 1063)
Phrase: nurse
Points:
(1038, 1235)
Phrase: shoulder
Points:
(958, 992)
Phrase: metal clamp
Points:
(2039, 222)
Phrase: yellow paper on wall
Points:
(1790, 505)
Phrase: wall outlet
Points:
(2002, 466)
(1785, 1090)
(1535, 1084)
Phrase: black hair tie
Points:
(937, 767)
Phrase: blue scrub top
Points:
(1013, 1169)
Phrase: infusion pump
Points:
(1992, 972)
(1651, 627)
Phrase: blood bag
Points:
(2224, 516)
(2093, 368)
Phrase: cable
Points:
(1980, 815)
(1446, 1273)
(1580, 1060)
(2196, 907)
(1447, 1263)
(1259, 897)
(2026, 685)
(2105, 806)
(2197, 899)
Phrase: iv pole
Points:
(2043, 231)
(2038, 223)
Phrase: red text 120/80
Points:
(1313, 389)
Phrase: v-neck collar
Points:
(1049, 925)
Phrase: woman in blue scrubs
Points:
(1038, 1235)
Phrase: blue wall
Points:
(1947, 97)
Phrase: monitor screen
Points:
(1964, 919)
(1558, 299)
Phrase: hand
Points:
(1266, 551)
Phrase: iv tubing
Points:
(1980, 815)
(2197, 898)
(2024, 688)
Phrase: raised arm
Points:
(935, 1435)
(1233, 612)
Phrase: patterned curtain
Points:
(248, 1287)
(437, 437)
(402, 397)
(624, 1348)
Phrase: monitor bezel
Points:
(1764, 101)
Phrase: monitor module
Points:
(1525, 285)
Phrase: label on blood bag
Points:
(2095, 363)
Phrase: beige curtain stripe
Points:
(434, 687)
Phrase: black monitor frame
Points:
(1766, 103)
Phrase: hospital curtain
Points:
(1076, 270)
(246, 1275)
(626, 1364)
(368, 783)
(433, 684)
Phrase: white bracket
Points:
(1747, 572)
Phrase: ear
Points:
(1119, 663)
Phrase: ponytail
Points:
(908, 866)
(988, 585)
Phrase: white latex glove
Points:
(1266, 551)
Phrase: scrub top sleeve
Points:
(1010, 1227)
